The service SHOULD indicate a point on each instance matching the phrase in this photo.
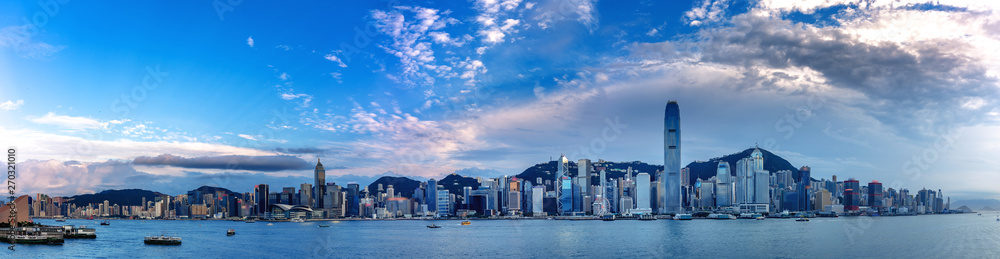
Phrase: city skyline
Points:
(236, 96)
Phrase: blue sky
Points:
(171, 96)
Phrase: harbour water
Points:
(926, 236)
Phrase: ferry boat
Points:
(324, 226)
(466, 223)
(299, 220)
(60, 220)
(802, 219)
(721, 216)
(647, 217)
(80, 232)
(608, 218)
(683, 217)
(162, 240)
(30, 239)
(433, 226)
(760, 217)
(231, 232)
(249, 221)
(105, 223)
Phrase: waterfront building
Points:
(260, 191)
(537, 195)
(852, 198)
(672, 159)
(305, 195)
(723, 190)
(642, 193)
(319, 175)
(875, 195)
(805, 185)
(432, 194)
(443, 203)
(353, 200)
(565, 202)
(706, 193)
(563, 186)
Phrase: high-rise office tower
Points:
(642, 194)
(261, 191)
(432, 195)
(305, 194)
(563, 186)
(671, 179)
(852, 198)
(353, 200)
(805, 182)
(723, 190)
(875, 195)
(320, 185)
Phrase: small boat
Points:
(105, 223)
(299, 220)
(270, 224)
(802, 219)
(60, 220)
(162, 240)
(231, 232)
(249, 221)
(466, 223)
(683, 217)
(433, 226)
(760, 218)
(324, 226)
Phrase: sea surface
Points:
(927, 236)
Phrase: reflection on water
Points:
(915, 236)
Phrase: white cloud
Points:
(250, 41)
(11, 105)
(67, 122)
(334, 58)
(248, 137)
(20, 39)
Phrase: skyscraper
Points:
(642, 193)
(305, 194)
(805, 182)
(672, 158)
(875, 195)
(852, 197)
(432, 195)
(563, 186)
(723, 190)
(261, 191)
(320, 184)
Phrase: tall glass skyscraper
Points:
(805, 182)
(671, 177)
(320, 185)
(563, 187)
(260, 191)
(723, 189)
